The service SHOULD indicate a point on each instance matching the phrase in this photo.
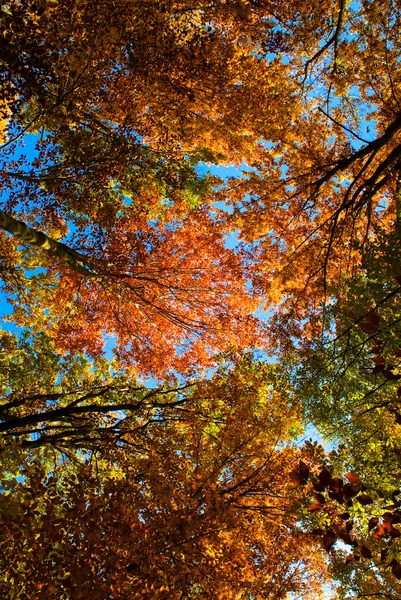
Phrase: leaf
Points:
(365, 552)
(383, 554)
(319, 487)
(379, 532)
(350, 491)
(315, 507)
(300, 475)
(367, 327)
(390, 375)
(319, 498)
(374, 318)
(364, 499)
(336, 484)
(352, 477)
(325, 477)
(349, 525)
(373, 521)
(396, 570)
(329, 539)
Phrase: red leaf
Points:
(379, 532)
(314, 507)
(353, 477)
(349, 559)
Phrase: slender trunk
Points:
(36, 238)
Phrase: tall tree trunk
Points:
(27, 234)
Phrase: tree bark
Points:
(27, 234)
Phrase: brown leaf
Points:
(319, 497)
(300, 474)
(372, 523)
(353, 477)
(329, 539)
(394, 532)
(364, 499)
(366, 553)
(396, 570)
(349, 525)
(344, 516)
(397, 417)
(374, 318)
(317, 531)
(390, 375)
(387, 517)
(368, 327)
(383, 554)
(346, 538)
(325, 477)
(396, 517)
(338, 496)
(336, 484)
(350, 491)
(376, 349)
(349, 559)
(319, 487)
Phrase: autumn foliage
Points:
(175, 331)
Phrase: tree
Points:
(112, 236)
(320, 191)
(196, 504)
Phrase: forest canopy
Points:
(200, 373)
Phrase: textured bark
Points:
(31, 236)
